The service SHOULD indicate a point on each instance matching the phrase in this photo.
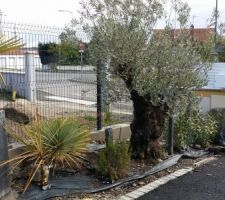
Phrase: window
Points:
(12, 62)
(20, 63)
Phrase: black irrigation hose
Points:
(171, 161)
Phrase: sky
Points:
(45, 12)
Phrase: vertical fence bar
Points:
(99, 94)
(4, 178)
(101, 87)
(170, 135)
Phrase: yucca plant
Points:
(55, 142)
(9, 44)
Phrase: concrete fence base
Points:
(119, 132)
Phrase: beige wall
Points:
(213, 101)
(217, 101)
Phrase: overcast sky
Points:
(46, 12)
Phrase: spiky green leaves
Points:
(55, 142)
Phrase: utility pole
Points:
(216, 23)
(215, 35)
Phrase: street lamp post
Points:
(215, 35)
(81, 51)
(1, 16)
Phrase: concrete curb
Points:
(161, 181)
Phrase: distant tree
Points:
(219, 46)
(70, 46)
(49, 53)
(69, 53)
(159, 70)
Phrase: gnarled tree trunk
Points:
(146, 127)
(148, 120)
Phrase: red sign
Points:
(81, 46)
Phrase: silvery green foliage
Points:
(164, 66)
(116, 89)
(212, 21)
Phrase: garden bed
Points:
(115, 193)
(70, 184)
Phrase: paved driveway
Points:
(206, 183)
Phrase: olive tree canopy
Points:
(160, 67)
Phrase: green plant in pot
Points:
(55, 142)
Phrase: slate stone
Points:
(4, 178)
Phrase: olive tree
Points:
(160, 68)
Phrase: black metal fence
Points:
(52, 76)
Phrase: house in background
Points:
(200, 35)
(15, 59)
(213, 95)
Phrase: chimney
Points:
(192, 31)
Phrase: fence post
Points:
(4, 178)
(101, 66)
(170, 135)
(108, 135)
(99, 95)
(30, 76)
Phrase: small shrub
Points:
(197, 129)
(218, 114)
(113, 161)
(89, 118)
(107, 116)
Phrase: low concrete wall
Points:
(15, 149)
(15, 80)
(120, 132)
(23, 81)
(76, 68)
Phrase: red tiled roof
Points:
(199, 34)
(202, 34)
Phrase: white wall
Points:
(216, 76)
(23, 81)
(15, 80)
(214, 101)
(205, 104)
(17, 62)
